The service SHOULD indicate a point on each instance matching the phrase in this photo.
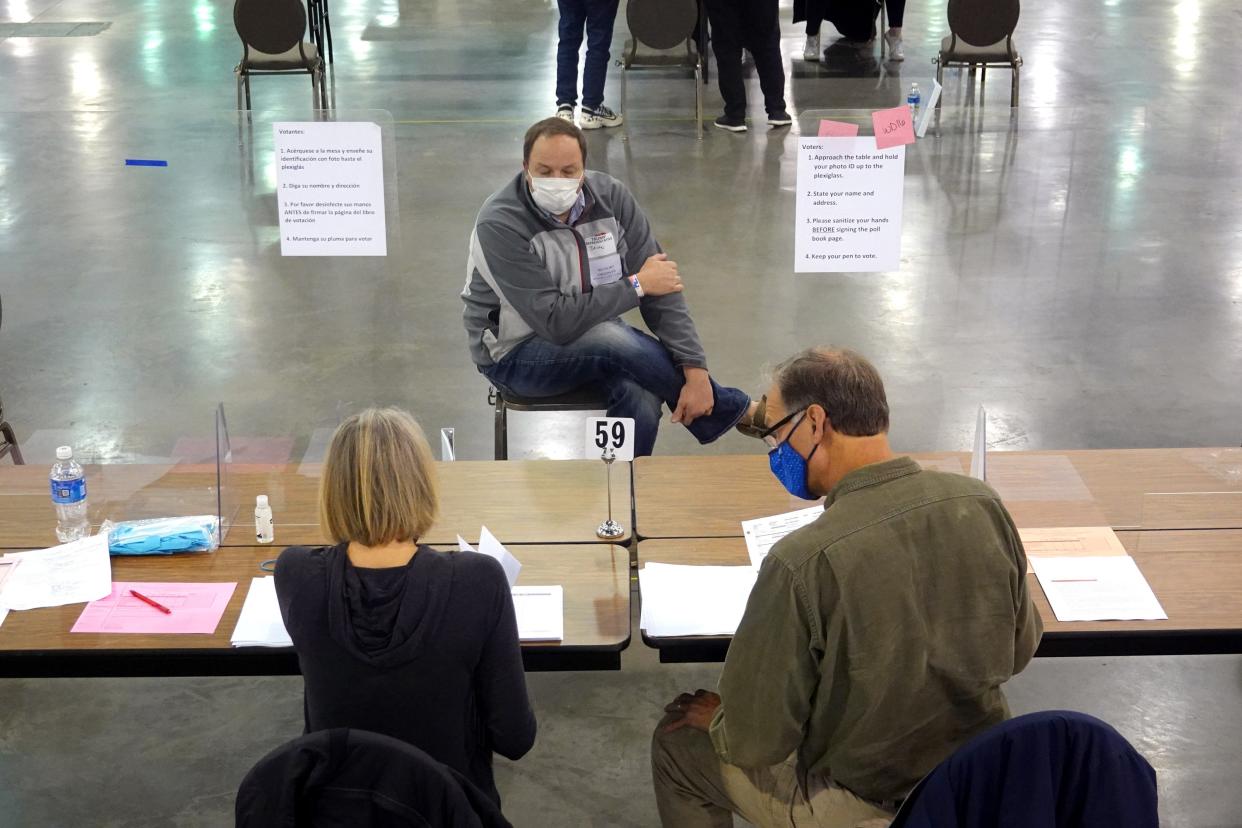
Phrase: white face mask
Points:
(556, 195)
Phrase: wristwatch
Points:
(638, 288)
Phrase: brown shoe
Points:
(755, 425)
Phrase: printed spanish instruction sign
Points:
(849, 206)
(330, 188)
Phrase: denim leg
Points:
(600, 17)
(627, 398)
(609, 355)
(573, 17)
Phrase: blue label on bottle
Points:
(69, 491)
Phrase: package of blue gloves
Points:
(164, 536)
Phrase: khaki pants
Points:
(693, 787)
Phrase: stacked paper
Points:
(540, 612)
(693, 600)
(260, 624)
(540, 609)
(72, 573)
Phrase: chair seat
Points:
(580, 399)
(1001, 51)
(285, 61)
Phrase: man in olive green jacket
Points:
(876, 639)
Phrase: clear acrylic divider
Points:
(1192, 510)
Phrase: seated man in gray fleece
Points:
(556, 256)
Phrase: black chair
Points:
(271, 33)
(8, 440)
(358, 779)
(1057, 768)
(664, 25)
(981, 36)
(320, 25)
(582, 399)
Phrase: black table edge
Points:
(704, 649)
(248, 661)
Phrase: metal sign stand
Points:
(609, 529)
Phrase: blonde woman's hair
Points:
(379, 480)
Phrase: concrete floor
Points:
(1075, 268)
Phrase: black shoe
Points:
(779, 119)
(731, 124)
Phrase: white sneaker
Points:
(600, 116)
(896, 51)
(811, 50)
(565, 112)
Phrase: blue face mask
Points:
(789, 467)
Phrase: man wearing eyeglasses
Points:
(876, 639)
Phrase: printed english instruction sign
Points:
(849, 206)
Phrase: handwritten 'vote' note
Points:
(893, 127)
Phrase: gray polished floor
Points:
(1075, 267)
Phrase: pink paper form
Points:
(196, 608)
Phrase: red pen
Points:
(147, 600)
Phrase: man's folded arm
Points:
(519, 278)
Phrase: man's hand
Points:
(694, 711)
(696, 397)
(659, 276)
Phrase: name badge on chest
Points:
(604, 260)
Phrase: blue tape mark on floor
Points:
(144, 162)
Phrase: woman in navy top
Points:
(394, 637)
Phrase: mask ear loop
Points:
(268, 566)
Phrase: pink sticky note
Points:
(893, 127)
(196, 608)
(837, 129)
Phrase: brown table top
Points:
(709, 496)
(1196, 575)
(536, 501)
(595, 578)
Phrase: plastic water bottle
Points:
(264, 530)
(68, 483)
(913, 99)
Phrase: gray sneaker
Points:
(565, 112)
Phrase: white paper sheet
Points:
(488, 545)
(693, 600)
(72, 573)
(540, 612)
(762, 533)
(1106, 588)
(260, 624)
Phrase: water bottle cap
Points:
(260, 502)
(64, 453)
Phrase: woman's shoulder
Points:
(473, 570)
(300, 561)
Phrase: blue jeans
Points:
(632, 367)
(598, 17)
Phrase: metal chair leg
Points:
(1013, 88)
(237, 72)
(327, 25)
(501, 427)
(6, 431)
(698, 100)
(247, 83)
